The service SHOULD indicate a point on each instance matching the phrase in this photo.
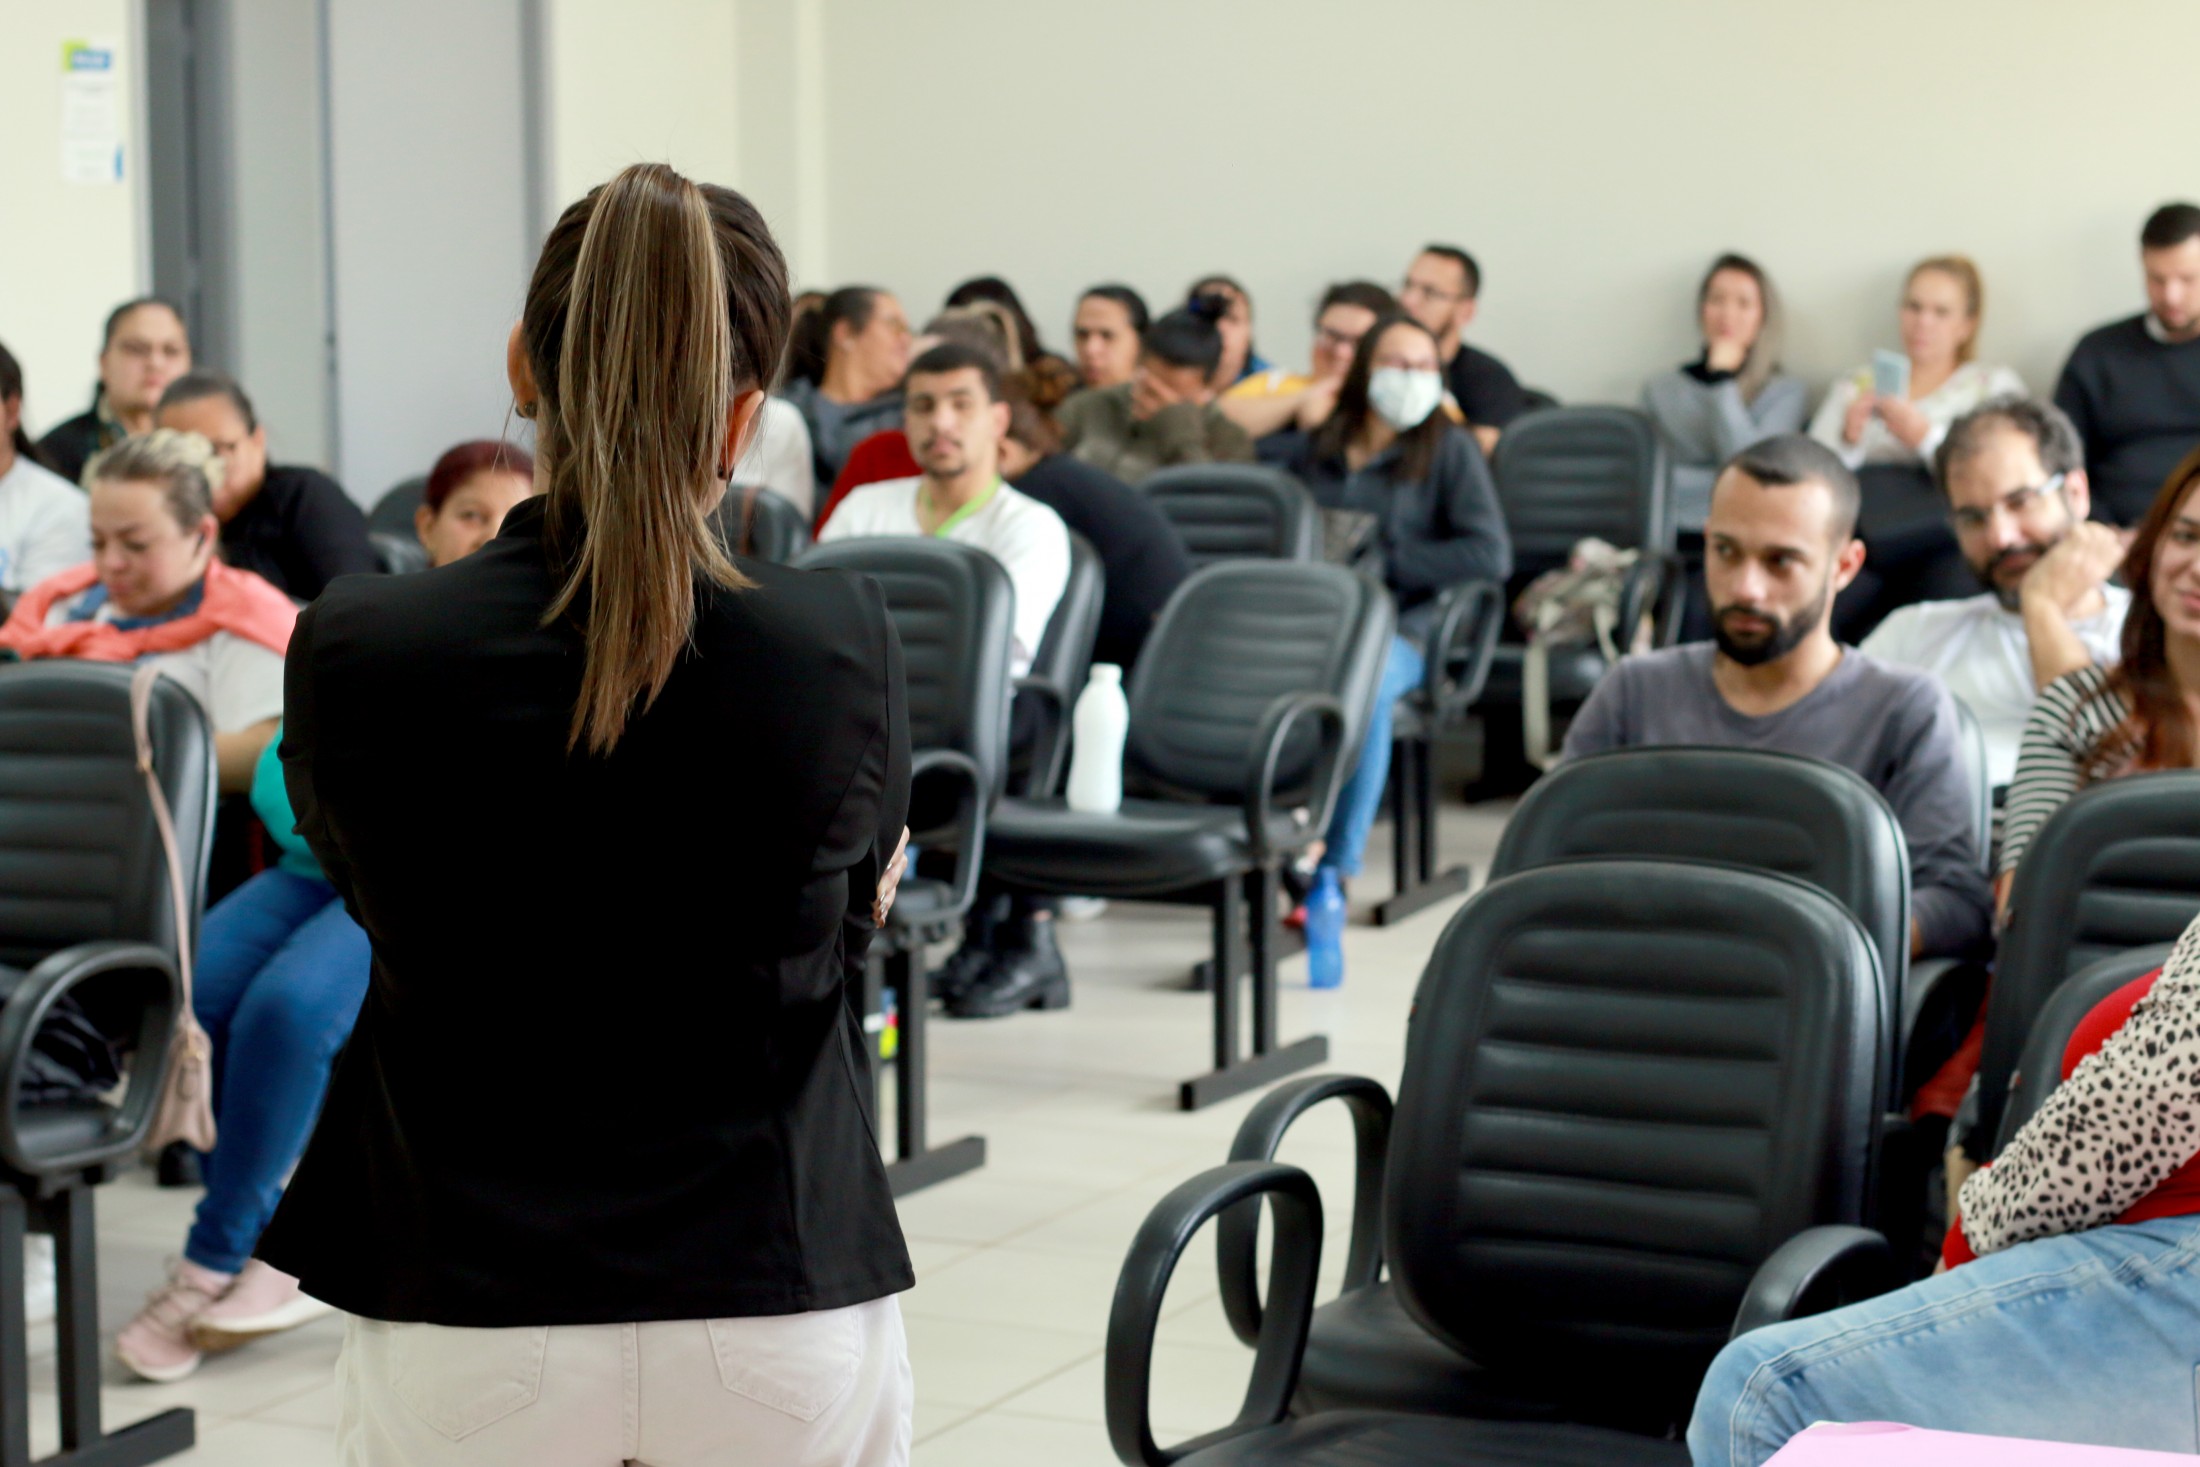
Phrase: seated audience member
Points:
(982, 325)
(1942, 302)
(2097, 723)
(861, 335)
(779, 456)
(2066, 1312)
(470, 491)
(1111, 320)
(1389, 451)
(1273, 400)
(44, 525)
(956, 418)
(292, 526)
(2133, 386)
(805, 344)
(155, 589)
(2017, 494)
(1240, 358)
(1440, 291)
(1165, 415)
(1733, 394)
(1779, 542)
(282, 969)
(993, 290)
(145, 348)
(1139, 549)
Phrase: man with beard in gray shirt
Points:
(1779, 544)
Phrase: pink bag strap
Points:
(141, 705)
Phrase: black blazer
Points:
(607, 1068)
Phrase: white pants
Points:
(830, 1389)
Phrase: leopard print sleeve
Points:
(2127, 1117)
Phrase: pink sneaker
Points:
(263, 1301)
(157, 1344)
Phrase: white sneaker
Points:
(1080, 909)
(41, 1296)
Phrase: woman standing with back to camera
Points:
(595, 1176)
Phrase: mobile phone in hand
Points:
(1890, 374)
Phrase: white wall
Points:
(68, 252)
(1594, 155)
(640, 81)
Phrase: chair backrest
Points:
(775, 530)
(954, 608)
(393, 512)
(1971, 741)
(1804, 818)
(398, 555)
(1237, 512)
(80, 856)
(2118, 867)
(1566, 473)
(1233, 639)
(1626, 1084)
(2039, 1065)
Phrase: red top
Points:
(2177, 1194)
(882, 456)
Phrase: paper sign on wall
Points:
(91, 113)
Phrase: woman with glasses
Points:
(1274, 400)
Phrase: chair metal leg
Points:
(917, 1165)
(15, 1370)
(1419, 884)
(1260, 889)
(1402, 811)
(76, 1270)
(1269, 1061)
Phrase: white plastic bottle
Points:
(1099, 726)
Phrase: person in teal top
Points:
(282, 969)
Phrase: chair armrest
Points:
(1468, 618)
(1813, 1271)
(969, 822)
(1275, 730)
(1294, 1262)
(1237, 1231)
(1051, 750)
(26, 1009)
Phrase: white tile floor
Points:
(1016, 1263)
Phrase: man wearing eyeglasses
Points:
(1441, 291)
(2012, 470)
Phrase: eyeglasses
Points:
(1334, 340)
(1415, 288)
(1969, 520)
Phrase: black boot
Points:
(972, 963)
(1028, 973)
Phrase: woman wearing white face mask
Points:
(1387, 451)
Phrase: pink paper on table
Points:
(1886, 1444)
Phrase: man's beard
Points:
(1786, 635)
(2010, 596)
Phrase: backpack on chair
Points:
(1577, 605)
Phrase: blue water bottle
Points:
(1325, 930)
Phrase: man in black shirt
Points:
(1439, 292)
(2132, 387)
(294, 526)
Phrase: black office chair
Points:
(755, 522)
(1971, 740)
(1457, 652)
(1636, 1119)
(1237, 512)
(954, 609)
(1246, 711)
(398, 555)
(1045, 696)
(86, 920)
(393, 512)
(2116, 868)
(2039, 1066)
(1564, 475)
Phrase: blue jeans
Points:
(282, 970)
(2089, 1337)
(1361, 799)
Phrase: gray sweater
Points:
(1098, 427)
(1706, 423)
(1894, 726)
(837, 427)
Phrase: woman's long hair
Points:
(1416, 446)
(1763, 358)
(2158, 733)
(655, 303)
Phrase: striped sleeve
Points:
(2072, 714)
